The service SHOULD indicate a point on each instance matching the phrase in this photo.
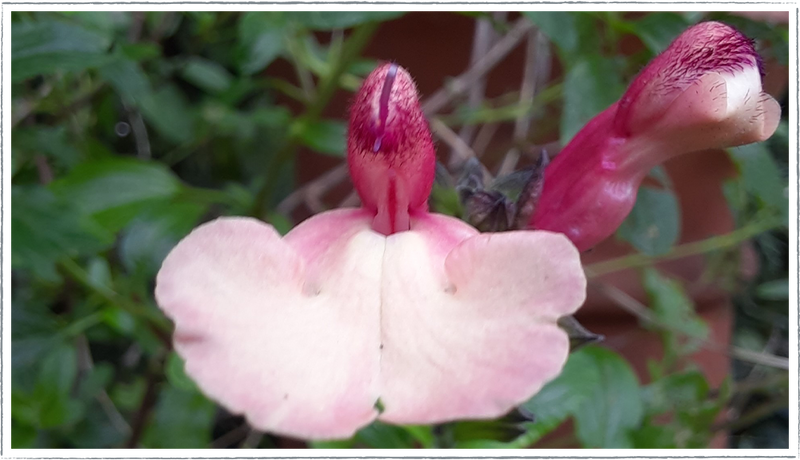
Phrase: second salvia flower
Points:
(704, 91)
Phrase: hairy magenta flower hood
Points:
(385, 312)
(702, 92)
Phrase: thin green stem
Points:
(79, 326)
(81, 276)
(715, 243)
(327, 87)
(482, 115)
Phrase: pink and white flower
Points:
(305, 334)
(702, 92)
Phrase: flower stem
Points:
(685, 250)
(156, 321)
(327, 87)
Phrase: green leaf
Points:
(57, 376)
(653, 226)
(115, 190)
(559, 25)
(658, 29)
(51, 141)
(120, 320)
(183, 419)
(261, 36)
(155, 231)
(45, 228)
(654, 437)
(281, 223)
(325, 136)
(34, 334)
(673, 308)
(96, 381)
(563, 396)
(23, 436)
(612, 406)
(329, 20)
(140, 51)
(381, 436)
(94, 430)
(592, 83)
(774, 290)
(176, 375)
(169, 113)
(207, 75)
(762, 178)
(104, 22)
(59, 370)
(128, 80)
(45, 47)
(687, 388)
(337, 444)
(128, 395)
(660, 174)
(423, 434)
(483, 444)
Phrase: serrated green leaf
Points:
(45, 228)
(653, 226)
(115, 190)
(613, 406)
(673, 308)
(564, 396)
(688, 388)
(329, 20)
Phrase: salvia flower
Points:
(385, 312)
(702, 92)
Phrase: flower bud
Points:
(389, 149)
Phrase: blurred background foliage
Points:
(130, 129)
